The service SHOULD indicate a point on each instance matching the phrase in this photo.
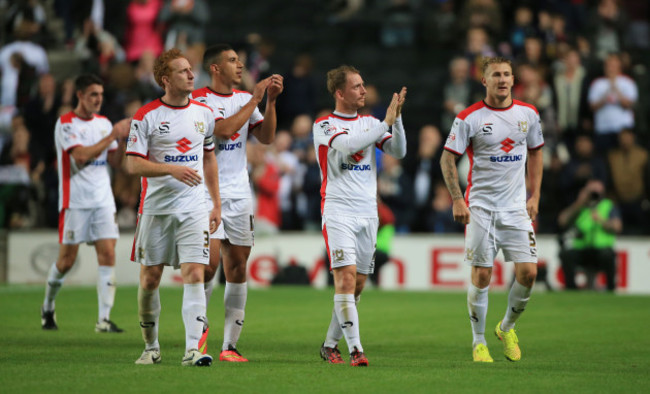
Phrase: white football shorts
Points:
(491, 231)
(172, 239)
(351, 241)
(236, 221)
(87, 225)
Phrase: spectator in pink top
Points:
(142, 32)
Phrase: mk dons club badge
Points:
(523, 126)
(200, 127)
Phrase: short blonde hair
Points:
(161, 65)
(338, 77)
(487, 61)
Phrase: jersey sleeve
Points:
(535, 137)
(208, 142)
(459, 136)
(138, 142)
(255, 119)
(324, 132)
(70, 136)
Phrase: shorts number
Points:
(531, 236)
(206, 239)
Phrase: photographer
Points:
(595, 220)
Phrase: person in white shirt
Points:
(237, 116)
(345, 146)
(612, 99)
(85, 144)
(502, 137)
(166, 148)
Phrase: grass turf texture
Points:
(415, 341)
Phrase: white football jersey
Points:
(349, 182)
(177, 135)
(497, 142)
(231, 153)
(83, 185)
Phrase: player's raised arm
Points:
(265, 132)
(450, 173)
(396, 144)
(225, 128)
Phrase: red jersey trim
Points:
(146, 109)
(209, 150)
(344, 118)
(474, 107)
(536, 147)
(136, 154)
(322, 118)
(380, 145)
(252, 126)
(329, 143)
(202, 92)
(453, 151)
(61, 224)
(65, 189)
(526, 105)
(71, 148)
(192, 101)
(322, 161)
(67, 118)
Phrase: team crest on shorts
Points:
(200, 127)
(338, 255)
(523, 126)
(69, 235)
(140, 253)
(469, 254)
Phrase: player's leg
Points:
(479, 254)
(106, 284)
(55, 278)
(515, 234)
(234, 298)
(149, 312)
(211, 269)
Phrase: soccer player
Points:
(85, 143)
(166, 148)
(237, 116)
(499, 134)
(345, 144)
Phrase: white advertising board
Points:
(418, 262)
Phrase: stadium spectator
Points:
(98, 49)
(145, 86)
(237, 117)
(86, 204)
(533, 89)
(606, 28)
(477, 46)
(346, 143)
(442, 218)
(311, 192)
(142, 33)
(291, 176)
(523, 27)
(424, 171)
(26, 21)
(570, 92)
(496, 201)
(398, 24)
(185, 21)
(299, 96)
(612, 98)
(459, 91)
(485, 14)
(301, 134)
(629, 169)
(41, 114)
(266, 182)
(583, 165)
(174, 222)
(594, 221)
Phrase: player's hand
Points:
(401, 100)
(275, 87)
(460, 210)
(121, 129)
(391, 112)
(532, 207)
(260, 88)
(187, 175)
(215, 219)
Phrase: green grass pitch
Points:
(415, 341)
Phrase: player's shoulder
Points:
(241, 93)
(202, 92)
(368, 118)
(472, 109)
(67, 117)
(525, 106)
(147, 108)
(200, 104)
(322, 119)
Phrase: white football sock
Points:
(193, 314)
(105, 291)
(477, 304)
(334, 332)
(346, 313)
(517, 300)
(208, 287)
(149, 314)
(234, 299)
(52, 287)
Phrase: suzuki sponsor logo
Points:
(508, 145)
(356, 167)
(183, 145)
(181, 159)
(506, 159)
(230, 146)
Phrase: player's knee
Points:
(149, 282)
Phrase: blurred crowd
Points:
(580, 62)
